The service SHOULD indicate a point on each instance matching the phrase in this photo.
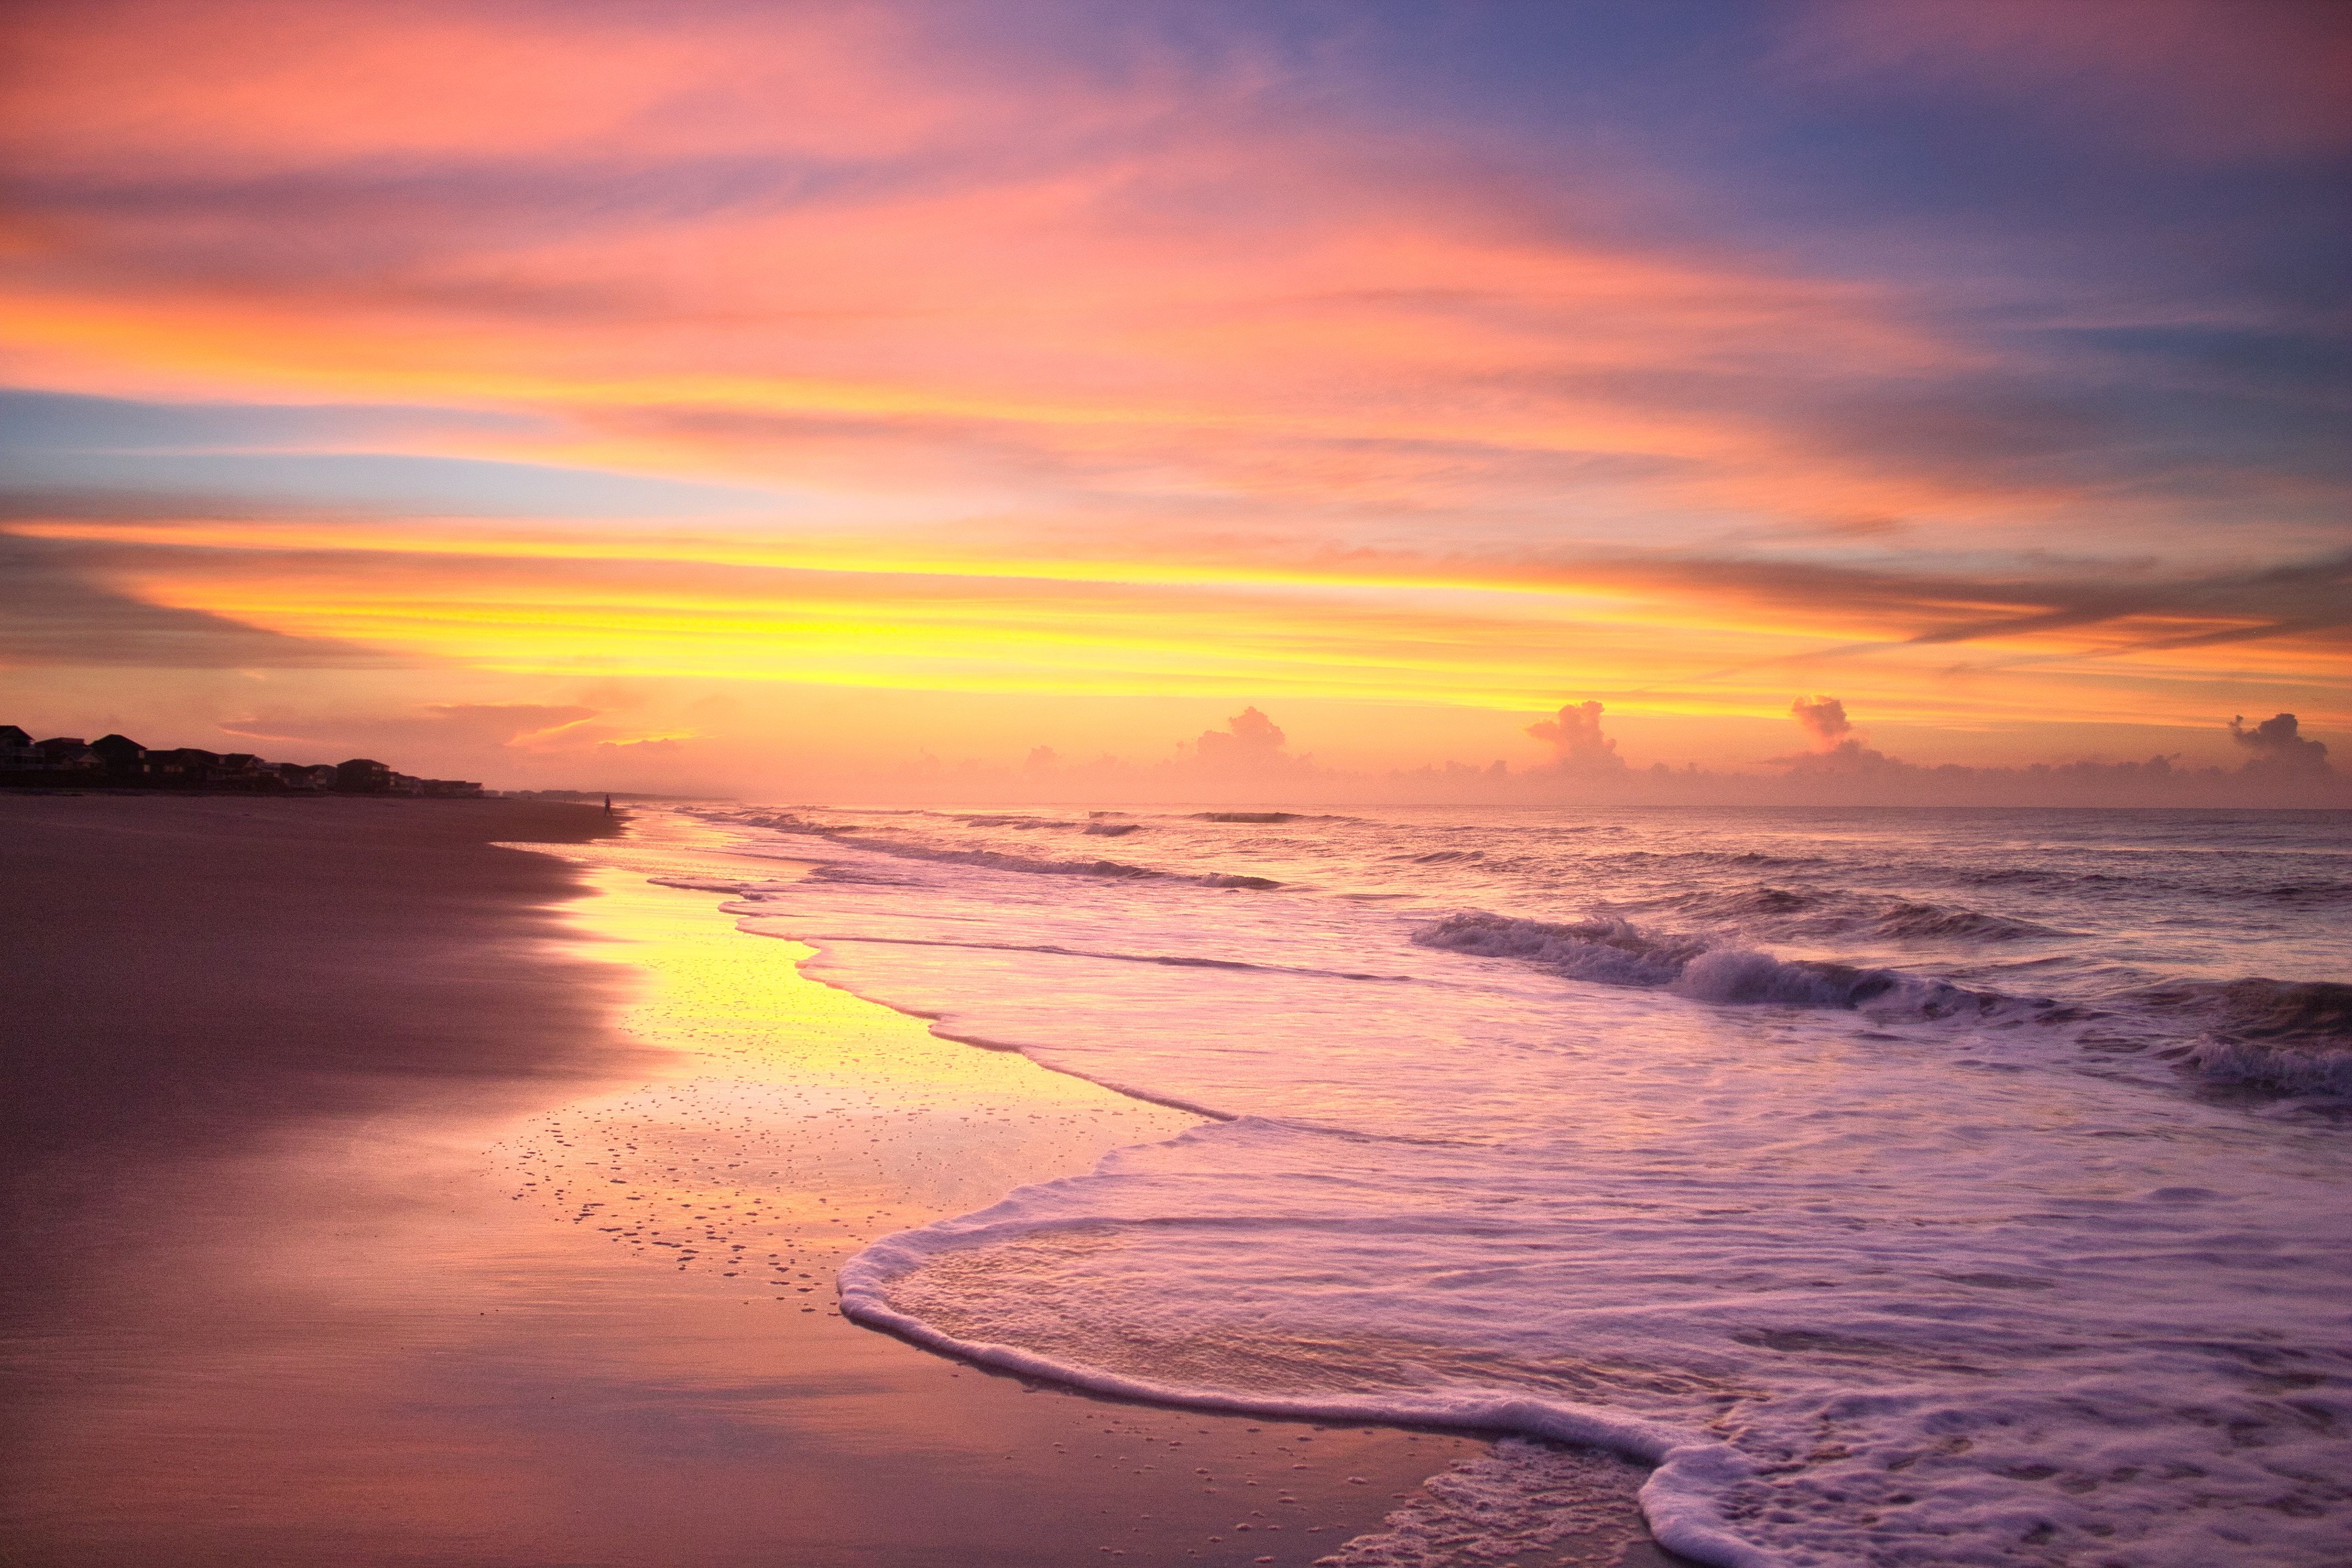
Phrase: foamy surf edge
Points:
(1675, 1500)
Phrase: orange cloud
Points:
(1135, 367)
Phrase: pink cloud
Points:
(1574, 735)
(1250, 743)
(1824, 720)
(2279, 747)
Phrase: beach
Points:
(389, 1197)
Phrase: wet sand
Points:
(371, 1206)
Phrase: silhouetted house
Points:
(243, 770)
(362, 775)
(184, 767)
(70, 762)
(119, 755)
(68, 754)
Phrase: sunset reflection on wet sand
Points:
(603, 1329)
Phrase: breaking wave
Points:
(1616, 953)
(2291, 1035)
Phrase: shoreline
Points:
(285, 1290)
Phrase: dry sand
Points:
(386, 1196)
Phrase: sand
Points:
(388, 1197)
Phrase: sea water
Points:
(1910, 1186)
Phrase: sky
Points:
(1039, 401)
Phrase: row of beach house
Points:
(118, 761)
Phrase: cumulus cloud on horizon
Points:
(1249, 740)
(2279, 747)
(1823, 719)
(1248, 759)
(1574, 735)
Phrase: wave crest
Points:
(2295, 1036)
(1911, 921)
(1616, 953)
(1613, 952)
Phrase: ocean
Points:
(1909, 1187)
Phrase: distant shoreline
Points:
(118, 761)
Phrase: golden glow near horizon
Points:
(494, 356)
(860, 616)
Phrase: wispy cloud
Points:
(56, 613)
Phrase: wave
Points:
(2296, 1069)
(1613, 952)
(2279, 1012)
(1768, 902)
(1911, 921)
(752, 908)
(2309, 893)
(1000, 860)
(1629, 857)
(2279, 1034)
(1735, 975)
(1617, 953)
(992, 859)
(1817, 916)
(1005, 860)
(2039, 877)
(1680, 1500)
(1833, 913)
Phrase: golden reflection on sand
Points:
(835, 1120)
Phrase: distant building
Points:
(120, 761)
(119, 755)
(184, 767)
(362, 775)
(67, 755)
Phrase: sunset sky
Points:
(850, 401)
